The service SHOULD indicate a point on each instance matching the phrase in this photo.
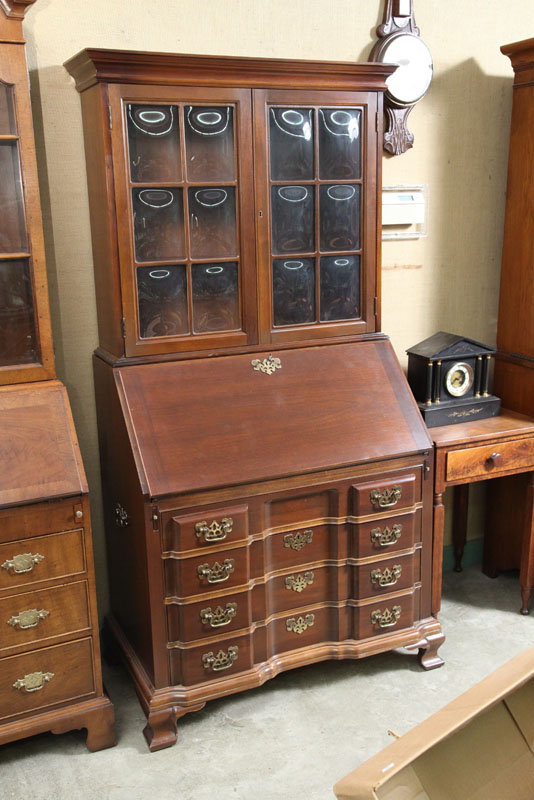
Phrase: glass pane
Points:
(340, 287)
(18, 342)
(215, 297)
(12, 223)
(209, 143)
(154, 140)
(293, 216)
(158, 224)
(212, 224)
(339, 217)
(339, 144)
(294, 291)
(291, 142)
(162, 298)
(8, 125)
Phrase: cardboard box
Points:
(479, 747)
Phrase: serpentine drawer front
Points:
(489, 461)
(387, 495)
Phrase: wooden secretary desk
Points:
(50, 674)
(267, 476)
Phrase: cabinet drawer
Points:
(385, 616)
(307, 627)
(36, 520)
(301, 546)
(390, 575)
(210, 661)
(490, 460)
(386, 494)
(207, 572)
(35, 560)
(189, 621)
(304, 587)
(205, 528)
(52, 675)
(26, 619)
(386, 535)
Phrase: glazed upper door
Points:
(316, 177)
(183, 172)
(25, 336)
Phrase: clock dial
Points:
(411, 80)
(459, 379)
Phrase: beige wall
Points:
(447, 281)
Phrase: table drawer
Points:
(35, 560)
(207, 572)
(205, 528)
(46, 677)
(26, 619)
(384, 616)
(489, 460)
(386, 494)
(387, 535)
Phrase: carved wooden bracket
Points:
(398, 16)
(397, 137)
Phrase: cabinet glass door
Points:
(311, 197)
(187, 170)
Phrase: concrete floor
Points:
(293, 737)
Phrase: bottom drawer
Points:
(42, 678)
(210, 660)
(386, 615)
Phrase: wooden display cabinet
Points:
(50, 673)
(267, 476)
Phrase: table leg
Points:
(459, 523)
(526, 576)
(437, 552)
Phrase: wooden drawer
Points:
(207, 572)
(477, 462)
(210, 661)
(387, 615)
(390, 575)
(309, 626)
(304, 587)
(386, 535)
(63, 610)
(386, 494)
(54, 556)
(301, 546)
(35, 520)
(187, 622)
(69, 668)
(205, 528)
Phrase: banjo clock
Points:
(449, 377)
(399, 43)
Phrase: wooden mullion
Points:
(316, 155)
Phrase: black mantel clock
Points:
(449, 377)
(399, 43)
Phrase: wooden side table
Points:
(475, 451)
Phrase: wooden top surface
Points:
(39, 455)
(508, 423)
(205, 423)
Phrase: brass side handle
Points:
(387, 536)
(222, 660)
(215, 531)
(28, 619)
(24, 562)
(122, 519)
(387, 618)
(300, 624)
(386, 577)
(218, 572)
(297, 583)
(33, 682)
(386, 498)
(220, 617)
(298, 540)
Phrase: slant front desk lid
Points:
(230, 420)
(39, 454)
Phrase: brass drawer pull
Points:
(268, 365)
(222, 660)
(218, 572)
(299, 583)
(388, 577)
(386, 537)
(24, 562)
(33, 682)
(300, 624)
(220, 617)
(386, 618)
(28, 619)
(387, 497)
(298, 540)
(215, 531)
